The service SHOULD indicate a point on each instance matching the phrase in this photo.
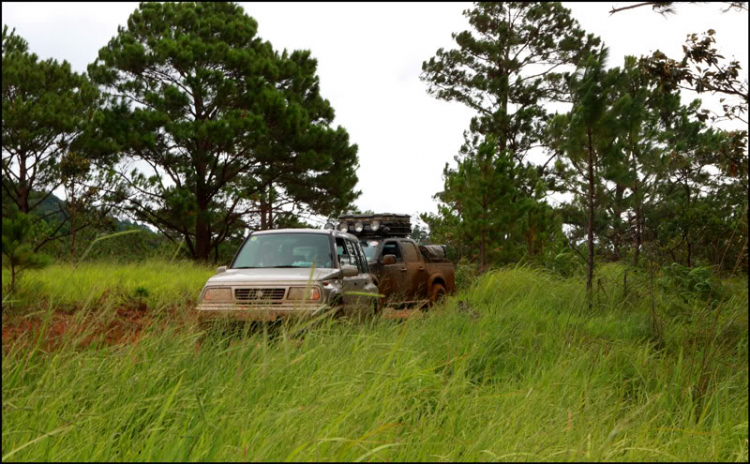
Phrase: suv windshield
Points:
(285, 250)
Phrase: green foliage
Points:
(50, 140)
(237, 127)
(565, 264)
(519, 370)
(697, 281)
(18, 252)
(702, 69)
(646, 173)
(420, 233)
(486, 213)
(696, 219)
(505, 69)
(585, 138)
(48, 110)
(466, 274)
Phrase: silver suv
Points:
(292, 272)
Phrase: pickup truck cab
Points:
(409, 273)
(292, 272)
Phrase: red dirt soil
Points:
(125, 327)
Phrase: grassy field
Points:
(516, 367)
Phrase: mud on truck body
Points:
(407, 273)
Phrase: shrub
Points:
(18, 253)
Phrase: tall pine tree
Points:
(587, 136)
(219, 117)
(505, 69)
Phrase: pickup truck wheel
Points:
(437, 293)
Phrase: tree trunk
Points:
(482, 251)
(23, 190)
(203, 220)
(12, 276)
(638, 236)
(266, 210)
(590, 272)
(530, 240)
(263, 217)
(687, 231)
(202, 227)
(740, 257)
(72, 219)
(617, 221)
(270, 208)
(202, 237)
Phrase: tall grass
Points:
(513, 368)
(160, 284)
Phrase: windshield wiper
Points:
(246, 267)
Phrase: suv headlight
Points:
(304, 293)
(217, 294)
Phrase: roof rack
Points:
(383, 224)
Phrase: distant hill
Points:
(52, 205)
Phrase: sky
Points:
(369, 62)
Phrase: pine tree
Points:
(221, 118)
(47, 111)
(587, 137)
(505, 70)
(18, 252)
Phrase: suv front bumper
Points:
(257, 312)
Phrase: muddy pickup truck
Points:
(408, 273)
(292, 272)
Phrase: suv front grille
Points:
(259, 293)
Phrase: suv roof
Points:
(334, 232)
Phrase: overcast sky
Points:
(369, 61)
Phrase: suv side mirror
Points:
(349, 271)
(221, 269)
(389, 259)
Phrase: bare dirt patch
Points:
(126, 326)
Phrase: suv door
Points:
(356, 284)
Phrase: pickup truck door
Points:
(393, 279)
(416, 272)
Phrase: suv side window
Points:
(345, 257)
(362, 258)
(392, 248)
(410, 252)
(351, 248)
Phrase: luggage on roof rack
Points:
(384, 224)
(433, 253)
